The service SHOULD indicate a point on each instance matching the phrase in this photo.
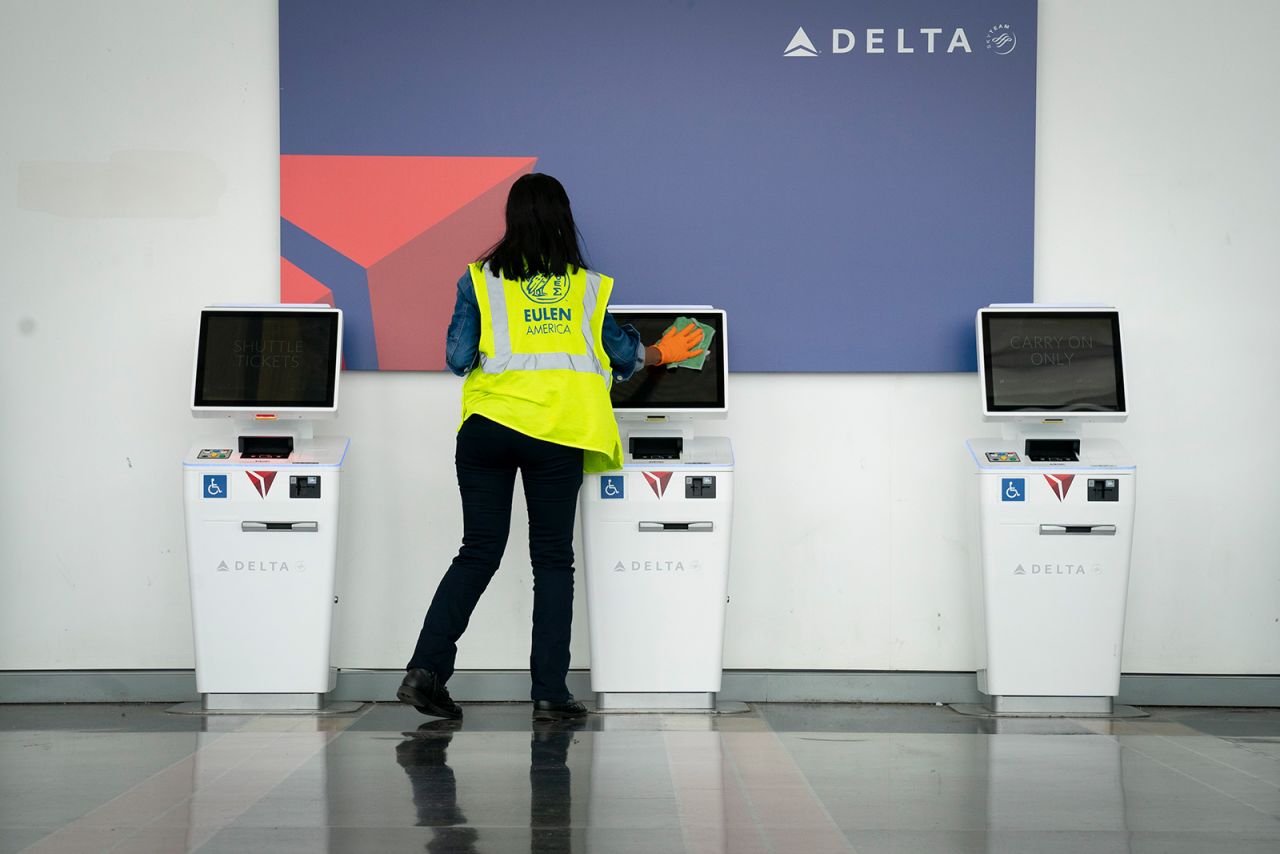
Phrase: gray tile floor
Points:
(780, 778)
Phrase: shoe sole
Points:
(558, 716)
(408, 695)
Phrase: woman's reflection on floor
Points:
(423, 755)
(550, 798)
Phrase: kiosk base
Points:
(265, 704)
(1047, 707)
(241, 702)
(692, 701)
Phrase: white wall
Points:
(138, 181)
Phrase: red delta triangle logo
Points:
(658, 481)
(1060, 483)
(261, 481)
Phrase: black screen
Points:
(1067, 361)
(662, 387)
(265, 359)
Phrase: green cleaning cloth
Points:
(708, 333)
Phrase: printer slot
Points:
(656, 447)
(265, 447)
(1053, 450)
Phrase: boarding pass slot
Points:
(677, 527)
(285, 527)
(1078, 530)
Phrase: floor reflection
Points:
(550, 786)
(424, 756)
(827, 779)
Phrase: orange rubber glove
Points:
(677, 345)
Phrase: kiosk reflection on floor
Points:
(657, 532)
(262, 504)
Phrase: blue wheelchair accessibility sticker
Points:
(215, 486)
(1013, 489)
(613, 486)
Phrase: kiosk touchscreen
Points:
(657, 532)
(278, 360)
(261, 499)
(1056, 507)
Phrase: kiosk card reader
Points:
(657, 532)
(1056, 507)
(261, 501)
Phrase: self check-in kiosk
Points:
(1056, 506)
(657, 532)
(261, 499)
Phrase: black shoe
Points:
(422, 690)
(550, 710)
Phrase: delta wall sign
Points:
(850, 179)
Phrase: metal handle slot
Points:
(677, 527)
(287, 527)
(1078, 530)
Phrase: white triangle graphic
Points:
(1019, 570)
(222, 567)
(800, 45)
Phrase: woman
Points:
(531, 334)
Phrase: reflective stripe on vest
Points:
(505, 360)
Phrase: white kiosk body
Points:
(657, 532)
(1056, 509)
(262, 505)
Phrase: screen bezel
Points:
(991, 408)
(334, 316)
(623, 314)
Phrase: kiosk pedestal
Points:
(261, 505)
(262, 538)
(657, 564)
(1057, 509)
(657, 532)
(1056, 540)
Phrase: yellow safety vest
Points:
(543, 369)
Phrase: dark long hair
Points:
(541, 237)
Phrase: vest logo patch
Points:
(545, 290)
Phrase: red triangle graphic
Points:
(1060, 483)
(368, 206)
(657, 481)
(262, 481)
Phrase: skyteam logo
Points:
(800, 45)
(545, 290)
(1002, 39)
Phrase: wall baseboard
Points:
(752, 686)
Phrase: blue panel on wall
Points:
(851, 208)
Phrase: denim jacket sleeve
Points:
(623, 346)
(462, 346)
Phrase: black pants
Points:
(487, 458)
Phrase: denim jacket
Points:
(462, 349)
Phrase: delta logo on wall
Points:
(706, 164)
(1000, 39)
